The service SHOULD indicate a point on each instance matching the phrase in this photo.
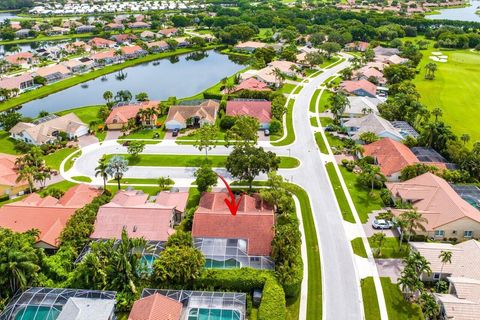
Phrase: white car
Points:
(382, 224)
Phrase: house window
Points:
(439, 233)
(468, 234)
(436, 276)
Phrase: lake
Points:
(180, 76)
(462, 14)
(7, 15)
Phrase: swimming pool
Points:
(37, 313)
(227, 264)
(213, 314)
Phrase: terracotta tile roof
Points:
(130, 210)
(284, 66)
(139, 24)
(8, 171)
(131, 50)
(352, 85)
(391, 156)
(19, 58)
(160, 44)
(435, 199)
(48, 214)
(156, 307)
(100, 42)
(177, 200)
(251, 44)
(103, 55)
(50, 70)
(253, 222)
(124, 37)
(15, 82)
(168, 32)
(123, 113)
(251, 84)
(369, 72)
(259, 109)
(207, 111)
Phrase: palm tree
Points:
(279, 76)
(101, 170)
(465, 138)
(430, 69)
(379, 238)
(27, 173)
(430, 307)
(338, 103)
(108, 96)
(401, 224)
(414, 221)
(18, 266)
(116, 167)
(445, 257)
(437, 112)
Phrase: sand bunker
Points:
(436, 53)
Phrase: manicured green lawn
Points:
(313, 121)
(62, 185)
(313, 101)
(390, 248)
(363, 201)
(54, 159)
(287, 88)
(328, 62)
(149, 190)
(86, 114)
(160, 160)
(82, 179)
(67, 83)
(69, 164)
(136, 181)
(6, 143)
(290, 138)
(341, 198)
(298, 89)
(293, 308)
(194, 136)
(370, 302)
(145, 134)
(358, 247)
(320, 143)
(397, 307)
(323, 103)
(455, 90)
(314, 302)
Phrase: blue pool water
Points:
(37, 313)
(227, 264)
(213, 314)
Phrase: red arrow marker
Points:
(231, 204)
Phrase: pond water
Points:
(7, 15)
(180, 76)
(462, 14)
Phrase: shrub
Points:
(275, 126)
(227, 122)
(272, 306)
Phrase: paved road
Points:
(341, 292)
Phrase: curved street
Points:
(342, 297)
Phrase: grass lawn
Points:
(297, 91)
(136, 181)
(363, 201)
(69, 164)
(159, 160)
(358, 247)
(370, 302)
(86, 114)
(54, 159)
(313, 101)
(455, 90)
(82, 179)
(290, 138)
(328, 62)
(293, 308)
(320, 143)
(390, 248)
(194, 136)
(287, 88)
(149, 190)
(72, 81)
(101, 135)
(341, 198)
(313, 121)
(323, 103)
(314, 302)
(397, 307)
(62, 185)
(145, 134)
(7, 144)
(337, 61)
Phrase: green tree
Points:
(9, 119)
(135, 147)
(416, 169)
(330, 48)
(102, 170)
(338, 103)
(429, 305)
(445, 257)
(414, 221)
(465, 138)
(108, 96)
(277, 194)
(378, 238)
(244, 131)
(142, 96)
(27, 173)
(246, 162)
(368, 137)
(116, 167)
(206, 137)
(437, 112)
(430, 69)
(205, 178)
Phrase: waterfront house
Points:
(139, 25)
(56, 31)
(120, 115)
(133, 52)
(21, 82)
(182, 42)
(250, 84)
(48, 215)
(170, 32)
(114, 26)
(286, 67)
(23, 59)
(101, 43)
(258, 109)
(53, 73)
(8, 176)
(249, 46)
(124, 38)
(183, 116)
(158, 46)
(105, 57)
(46, 130)
(448, 215)
(22, 33)
(84, 29)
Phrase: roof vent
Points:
(134, 228)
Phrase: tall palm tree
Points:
(414, 221)
(18, 266)
(108, 96)
(116, 167)
(279, 76)
(465, 138)
(437, 112)
(379, 239)
(27, 173)
(445, 257)
(430, 69)
(101, 170)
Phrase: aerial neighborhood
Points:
(273, 160)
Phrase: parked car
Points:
(266, 132)
(175, 132)
(382, 224)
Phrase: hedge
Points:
(212, 95)
(294, 285)
(273, 302)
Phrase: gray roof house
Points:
(87, 309)
(361, 106)
(372, 123)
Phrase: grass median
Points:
(341, 197)
(370, 300)
(290, 138)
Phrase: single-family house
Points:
(371, 123)
(182, 116)
(266, 75)
(131, 209)
(371, 74)
(362, 88)
(258, 109)
(249, 233)
(114, 26)
(158, 46)
(75, 65)
(23, 59)
(395, 59)
(84, 29)
(139, 25)
(147, 35)
(387, 52)
(287, 67)
(132, 52)
(361, 46)
(101, 43)
(56, 31)
(48, 215)
(8, 176)
(77, 46)
(249, 46)
(120, 115)
(21, 82)
(170, 32)
(124, 38)
(105, 57)
(23, 33)
(250, 84)
(447, 214)
(360, 106)
(53, 73)
(182, 42)
(48, 131)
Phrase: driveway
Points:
(87, 140)
(369, 231)
(391, 268)
(113, 134)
